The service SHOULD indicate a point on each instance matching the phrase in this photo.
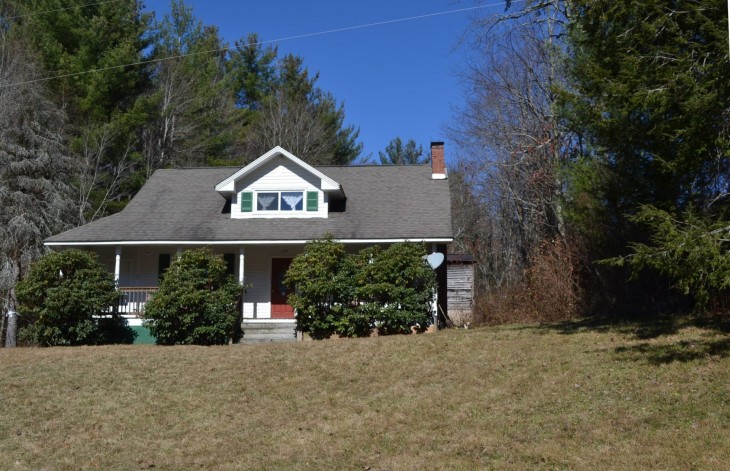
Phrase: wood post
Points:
(12, 329)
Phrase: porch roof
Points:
(181, 205)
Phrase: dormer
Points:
(280, 185)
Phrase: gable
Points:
(279, 188)
(279, 185)
(228, 185)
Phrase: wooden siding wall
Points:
(460, 289)
(280, 175)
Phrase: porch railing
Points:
(133, 299)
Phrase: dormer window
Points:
(280, 185)
(280, 201)
(284, 201)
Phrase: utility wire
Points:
(259, 43)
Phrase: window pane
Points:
(267, 201)
(292, 200)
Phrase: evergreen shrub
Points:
(197, 303)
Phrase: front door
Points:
(279, 292)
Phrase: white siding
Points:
(280, 174)
(257, 273)
(139, 265)
(139, 269)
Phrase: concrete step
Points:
(269, 330)
(262, 325)
(274, 335)
(266, 332)
(251, 341)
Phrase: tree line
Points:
(96, 96)
(595, 156)
(594, 141)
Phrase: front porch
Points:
(265, 315)
(132, 305)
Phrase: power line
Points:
(58, 9)
(259, 43)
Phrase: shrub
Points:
(66, 300)
(324, 293)
(197, 302)
(395, 287)
(548, 291)
(349, 294)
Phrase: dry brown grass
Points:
(556, 397)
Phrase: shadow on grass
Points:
(650, 327)
(643, 327)
(682, 351)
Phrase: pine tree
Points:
(88, 46)
(190, 103)
(398, 154)
(651, 97)
(35, 198)
(287, 108)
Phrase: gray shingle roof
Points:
(383, 202)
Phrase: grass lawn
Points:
(567, 396)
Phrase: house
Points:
(259, 217)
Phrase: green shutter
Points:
(246, 202)
(312, 200)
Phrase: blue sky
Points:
(398, 79)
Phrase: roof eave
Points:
(435, 240)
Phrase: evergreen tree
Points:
(83, 36)
(651, 97)
(286, 107)
(35, 197)
(190, 104)
(88, 46)
(397, 154)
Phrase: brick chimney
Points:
(438, 164)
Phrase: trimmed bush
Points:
(68, 298)
(197, 302)
(336, 293)
(324, 293)
(395, 287)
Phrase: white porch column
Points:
(179, 250)
(117, 263)
(241, 272)
(241, 260)
(434, 249)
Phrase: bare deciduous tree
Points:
(295, 125)
(512, 145)
(98, 181)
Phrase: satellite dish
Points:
(435, 259)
